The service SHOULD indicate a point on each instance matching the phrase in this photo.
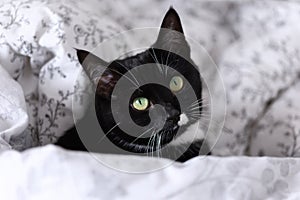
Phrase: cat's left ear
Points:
(171, 35)
(103, 78)
(92, 65)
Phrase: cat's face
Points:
(154, 107)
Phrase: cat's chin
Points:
(190, 134)
(182, 147)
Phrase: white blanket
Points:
(67, 175)
(256, 46)
(13, 114)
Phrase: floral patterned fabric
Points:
(37, 41)
(13, 115)
(261, 74)
(255, 45)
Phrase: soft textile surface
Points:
(255, 45)
(67, 175)
(262, 74)
(13, 115)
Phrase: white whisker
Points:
(153, 143)
(197, 107)
(197, 102)
(126, 77)
(156, 60)
(201, 115)
(173, 62)
(149, 142)
(167, 64)
(130, 73)
(109, 131)
(168, 55)
(159, 144)
(142, 135)
(157, 152)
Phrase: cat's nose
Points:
(172, 113)
(173, 119)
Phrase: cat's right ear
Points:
(172, 21)
(92, 65)
(171, 36)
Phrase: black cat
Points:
(170, 122)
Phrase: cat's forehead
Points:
(156, 67)
(158, 59)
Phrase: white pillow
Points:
(13, 114)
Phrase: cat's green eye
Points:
(176, 84)
(140, 103)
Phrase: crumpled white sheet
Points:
(13, 112)
(59, 174)
(37, 40)
(254, 43)
(261, 72)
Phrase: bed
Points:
(256, 48)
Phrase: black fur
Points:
(157, 94)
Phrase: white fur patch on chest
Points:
(183, 119)
(192, 133)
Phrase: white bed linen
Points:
(52, 173)
(254, 43)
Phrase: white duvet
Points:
(256, 46)
(58, 174)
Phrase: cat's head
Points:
(155, 108)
